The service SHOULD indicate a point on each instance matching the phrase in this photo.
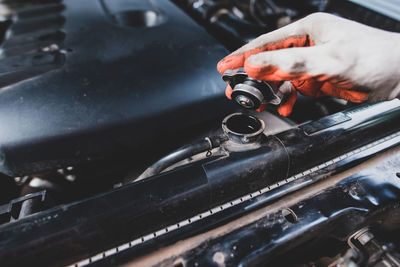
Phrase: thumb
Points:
(285, 109)
(293, 63)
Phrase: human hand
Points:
(323, 54)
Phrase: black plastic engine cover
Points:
(78, 83)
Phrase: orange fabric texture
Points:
(310, 85)
(307, 84)
(236, 61)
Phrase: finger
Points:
(310, 87)
(228, 92)
(294, 64)
(353, 96)
(297, 34)
(292, 35)
(286, 108)
(284, 87)
(338, 82)
(237, 59)
(262, 107)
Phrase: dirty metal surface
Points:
(337, 206)
(188, 250)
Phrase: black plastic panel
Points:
(324, 123)
(80, 82)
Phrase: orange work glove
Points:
(322, 54)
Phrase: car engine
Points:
(119, 147)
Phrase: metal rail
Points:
(385, 142)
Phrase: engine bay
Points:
(118, 144)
